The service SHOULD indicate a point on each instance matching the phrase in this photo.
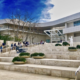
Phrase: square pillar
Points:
(65, 37)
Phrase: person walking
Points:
(12, 46)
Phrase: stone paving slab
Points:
(65, 72)
(10, 75)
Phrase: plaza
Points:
(57, 62)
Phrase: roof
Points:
(56, 23)
(60, 21)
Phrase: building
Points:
(7, 27)
(70, 25)
(57, 30)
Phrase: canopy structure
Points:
(55, 34)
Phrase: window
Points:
(77, 23)
(76, 34)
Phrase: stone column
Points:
(65, 34)
(51, 37)
(65, 25)
(65, 37)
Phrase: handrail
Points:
(76, 72)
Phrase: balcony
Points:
(71, 29)
(4, 29)
(25, 31)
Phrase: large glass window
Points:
(77, 23)
(76, 34)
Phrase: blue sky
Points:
(44, 10)
(38, 8)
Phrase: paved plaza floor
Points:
(10, 75)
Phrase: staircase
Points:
(59, 63)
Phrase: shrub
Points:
(72, 48)
(34, 54)
(41, 54)
(58, 45)
(18, 59)
(37, 54)
(65, 43)
(24, 54)
(78, 46)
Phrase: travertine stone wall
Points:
(47, 48)
(1, 41)
(55, 52)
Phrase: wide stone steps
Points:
(65, 55)
(55, 62)
(65, 72)
(9, 55)
(12, 75)
(49, 62)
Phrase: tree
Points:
(30, 21)
(13, 21)
(5, 38)
(18, 16)
(17, 39)
(35, 31)
(27, 19)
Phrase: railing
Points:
(71, 29)
(3, 29)
(36, 32)
(76, 72)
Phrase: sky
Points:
(43, 10)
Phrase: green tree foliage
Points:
(18, 39)
(6, 38)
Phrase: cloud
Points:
(63, 8)
(45, 15)
(45, 10)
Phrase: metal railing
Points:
(76, 72)
(71, 29)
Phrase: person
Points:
(26, 43)
(12, 46)
(3, 44)
(1, 48)
(61, 40)
(23, 43)
(41, 42)
(20, 44)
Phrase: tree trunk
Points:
(14, 33)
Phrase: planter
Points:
(19, 62)
(66, 45)
(38, 57)
(72, 49)
(25, 56)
